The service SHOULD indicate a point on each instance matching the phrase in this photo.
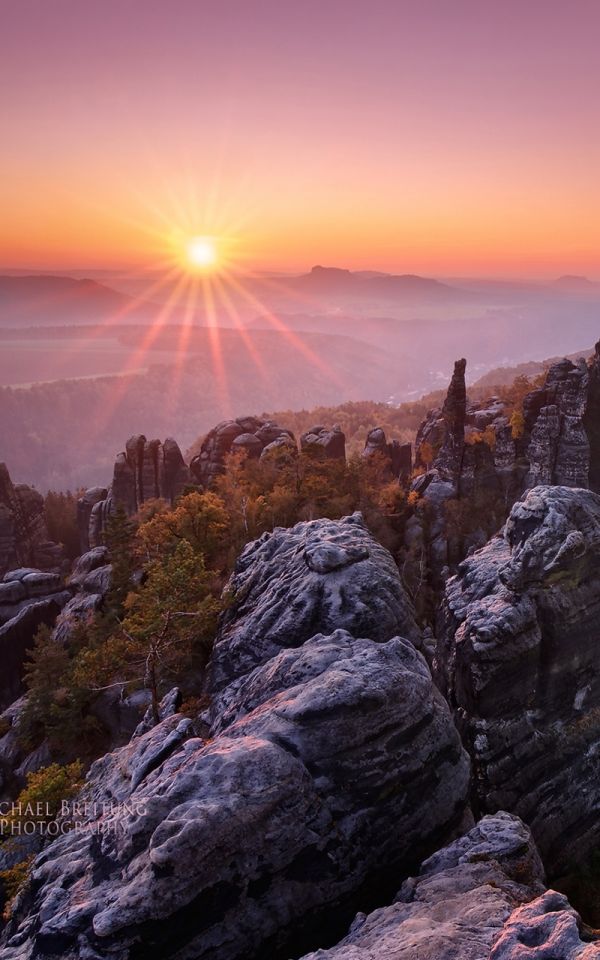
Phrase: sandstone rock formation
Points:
(324, 442)
(395, 457)
(459, 903)
(145, 470)
(252, 435)
(318, 575)
(326, 760)
(518, 660)
(24, 538)
(470, 453)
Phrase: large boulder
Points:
(318, 575)
(341, 758)
(332, 768)
(518, 659)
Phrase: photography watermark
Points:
(43, 819)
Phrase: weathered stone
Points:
(146, 470)
(85, 505)
(326, 573)
(16, 639)
(395, 458)
(323, 442)
(292, 811)
(546, 929)
(249, 434)
(457, 905)
(518, 660)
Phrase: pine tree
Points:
(118, 538)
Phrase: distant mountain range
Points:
(333, 281)
(50, 300)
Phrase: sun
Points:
(201, 253)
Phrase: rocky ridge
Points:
(278, 824)
(471, 453)
(517, 659)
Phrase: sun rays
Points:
(202, 299)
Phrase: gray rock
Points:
(546, 929)
(457, 905)
(38, 584)
(16, 639)
(266, 830)
(323, 442)
(98, 557)
(147, 469)
(321, 573)
(251, 434)
(85, 505)
(98, 581)
(518, 660)
(80, 609)
(11, 592)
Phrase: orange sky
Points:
(436, 137)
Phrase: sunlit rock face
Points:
(518, 658)
(333, 767)
(458, 904)
(316, 576)
(252, 436)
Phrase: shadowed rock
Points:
(519, 661)
(323, 442)
(250, 435)
(145, 470)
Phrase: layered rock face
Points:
(518, 659)
(256, 437)
(24, 538)
(327, 760)
(145, 470)
(559, 449)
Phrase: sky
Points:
(445, 137)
